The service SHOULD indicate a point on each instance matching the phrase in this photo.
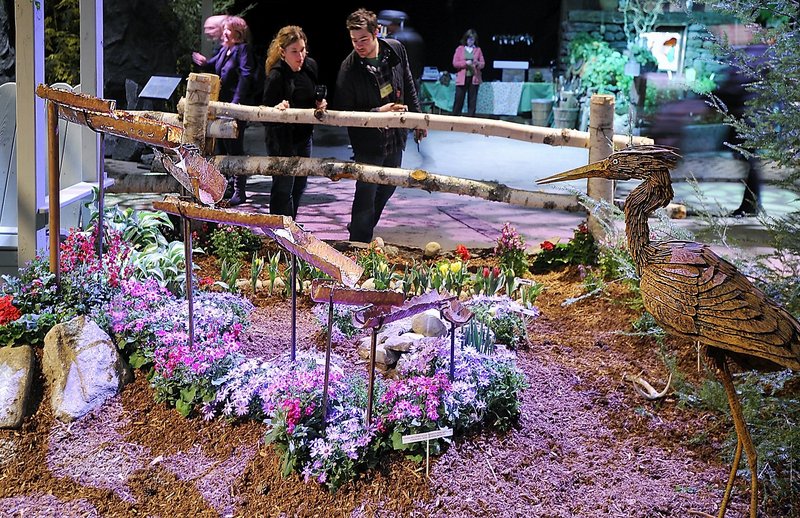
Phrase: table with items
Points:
(494, 98)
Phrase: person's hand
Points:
(469, 62)
(393, 107)
(282, 105)
(199, 59)
(420, 134)
(322, 105)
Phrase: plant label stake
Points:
(427, 437)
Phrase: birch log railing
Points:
(201, 108)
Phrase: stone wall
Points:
(608, 26)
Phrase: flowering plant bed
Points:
(548, 429)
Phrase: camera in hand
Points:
(320, 92)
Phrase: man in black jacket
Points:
(374, 77)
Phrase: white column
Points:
(31, 126)
(91, 36)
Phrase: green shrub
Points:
(232, 243)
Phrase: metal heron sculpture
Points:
(692, 292)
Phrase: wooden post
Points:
(53, 174)
(31, 129)
(601, 134)
(199, 91)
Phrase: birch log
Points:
(217, 128)
(418, 178)
(411, 120)
(601, 126)
(201, 89)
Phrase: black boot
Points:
(239, 194)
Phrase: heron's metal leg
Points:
(743, 434)
(737, 457)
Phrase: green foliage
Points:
(62, 42)
(373, 260)
(511, 252)
(488, 281)
(503, 318)
(768, 113)
(167, 265)
(256, 267)
(581, 249)
(503, 403)
(142, 229)
(478, 335)
(229, 271)
(772, 411)
(231, 243)
(600, 68)
(529, 291)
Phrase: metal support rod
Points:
(294, 306)
(53, 174)
(101, 200)
(452, 350)
(372, 347)
(187, 251)
(327, 359)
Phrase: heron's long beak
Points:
(594, 170)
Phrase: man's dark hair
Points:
(362, 19)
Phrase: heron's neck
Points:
(654, 192)
(636, 228)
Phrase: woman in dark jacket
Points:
(234, 66)
(291, 83)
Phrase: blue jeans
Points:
(284, 196)
(370, 198)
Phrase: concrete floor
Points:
(414, 217)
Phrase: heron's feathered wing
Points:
(693, 292)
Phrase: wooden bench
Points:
(74, 188)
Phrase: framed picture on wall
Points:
(667, 47)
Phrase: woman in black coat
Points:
(291, 83)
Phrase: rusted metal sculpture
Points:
(692, 292)
(330, 292)
(374, 317)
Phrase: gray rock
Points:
(428, 323)
(432, 249)
(383, 356)
(402, 343)
(16, 375)
(83, 366)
